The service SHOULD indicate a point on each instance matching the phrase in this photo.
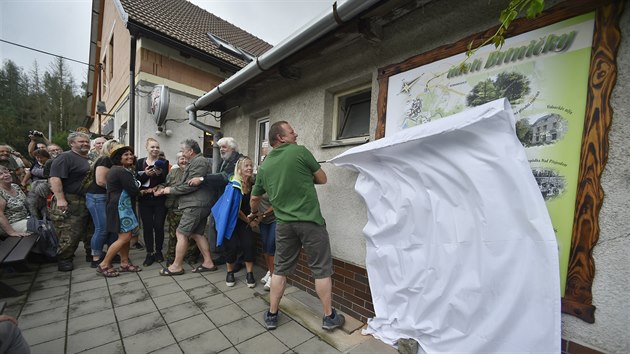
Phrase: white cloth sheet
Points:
(461, 252)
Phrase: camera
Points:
(35, 133)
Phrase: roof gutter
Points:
(319, 26)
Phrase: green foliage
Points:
(531, 9)
(28, 101)
(512, 85)
(523, 131)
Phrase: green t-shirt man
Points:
(287, 177)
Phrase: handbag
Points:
(128, 219)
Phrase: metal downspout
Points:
(313, 30)
(132, 92)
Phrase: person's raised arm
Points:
(319, 177)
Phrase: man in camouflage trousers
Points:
(68, 211)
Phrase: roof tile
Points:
(189, 24)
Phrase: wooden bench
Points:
(14, 249)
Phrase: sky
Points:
(62, 27)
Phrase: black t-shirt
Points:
(93, 187)
(71, 168)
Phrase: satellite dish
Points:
(160, 97)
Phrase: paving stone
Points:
(171, 300)
(242, 330)
(253, 305)
(214, 302)
(45, 333)
(240, 293)
(90, 306)
(265, 341)
(123, 278)
(48, 293)
(192, 283)
(191, 326)
(171, 349)
(43, 276)
(41, 318)
(375, 346)
(90, 321)
(164, 289)
(203, 292)
(216, 277)
(54, 346)
(226, 314)
(93, 338)
(45, 304)
(12, 310)
(149, 273)
(230, 350)
(140, 324)
(314, 345)
(87, 285)
(157, 281)
(208, 342)
(51, 283)
(87, 295)
(135, 284)
(84, 276)
(178, 312)
(109, 348)
(292, 334)
(134, 309)
(130, 297)
(17, 278)
(154, 339)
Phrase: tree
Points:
(483, 92)
(512, 85)
(523, 131)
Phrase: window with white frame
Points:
(351, 114)
(262, 139)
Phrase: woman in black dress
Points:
(151, 172)
(122, 189)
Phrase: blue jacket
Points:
(225, 211)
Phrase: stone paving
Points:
(83, 312)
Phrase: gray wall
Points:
(146, 125)
(305, 103)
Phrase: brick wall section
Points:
(351, 289)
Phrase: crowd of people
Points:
(103, 183)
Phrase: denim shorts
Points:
(292, 237)
(268, 237)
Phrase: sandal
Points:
(129, 268)
(170, 273)
(107, 272)
(202, 269)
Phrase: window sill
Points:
(348, 142)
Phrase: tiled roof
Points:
(189, 24)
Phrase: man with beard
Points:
(68, 211)
(216, 182)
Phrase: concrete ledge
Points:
(306, 309)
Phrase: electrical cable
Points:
(47, 53)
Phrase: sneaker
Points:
(267, 286)
(266, 277)
(229, 279)
(159, 257)
(271, 321)
(149, 260)
(251, 282)
(333, 321)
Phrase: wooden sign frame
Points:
(578, 299)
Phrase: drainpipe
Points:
(321, 25)
(132, 92)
